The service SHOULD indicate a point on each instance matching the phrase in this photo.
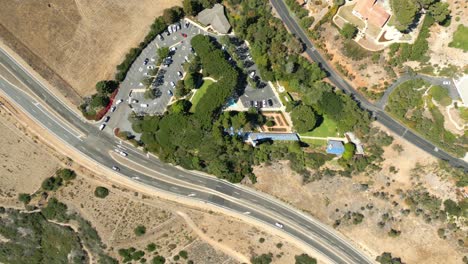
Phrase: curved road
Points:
(377, 113)
(97, 145)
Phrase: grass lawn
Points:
(326, 129)
(460, 38)
(346, 12)
(314, 142)
(199, 93)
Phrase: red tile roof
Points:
(373, 12)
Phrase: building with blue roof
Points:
(257, 138)
(335, 147)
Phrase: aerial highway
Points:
(380, 115)
(69, 127)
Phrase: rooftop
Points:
(462, 88)
(372, 11)
(216, 18)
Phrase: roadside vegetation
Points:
(406, 12)
(460, 38)
(408, 104)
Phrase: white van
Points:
(102, 126)
(144, 105)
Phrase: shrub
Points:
(101, 192)
(183, 254)
(261, 240)
(140, 230)
(55, 210)
(386, 258)
(349, 31)
(394, 233)
(158, 260)
(24, 198)
(66, 174)
(151, 247)
(304, 259)
(51, 183)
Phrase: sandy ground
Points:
(24, 164)
(366, 73)
(330, 198)
(440, 52)
(74, 44)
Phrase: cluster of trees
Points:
(98, 101)
(407, 11)
(30, 238)
(61, 175)
(268, 258)
(402, 52)
(407, 97)
(387, 258)
(193, 7)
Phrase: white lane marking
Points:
(58, 123)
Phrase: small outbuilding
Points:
(335, 147)
(215, 17)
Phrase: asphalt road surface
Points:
(97, 145)
(377, 113)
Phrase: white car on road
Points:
(279, 225)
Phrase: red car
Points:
(184, 35)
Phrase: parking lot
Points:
(132, 89)
(261, 96)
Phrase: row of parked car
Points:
(260, 104)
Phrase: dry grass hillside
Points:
(75, 43)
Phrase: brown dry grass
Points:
(23, 163)
(74, 44)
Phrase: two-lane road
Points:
(97, 145)
(339, 82)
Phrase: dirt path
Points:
(227, 250)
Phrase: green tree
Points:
(158, 260)
(386, 258)
(181, 106)
(439, 11)
(66, 174)
(349, 31)
(452, 207)
(303, 117)
(191, 7)
(162, 53)
(106, 87)
(51, 183)
(98, 101)
(349, 151)
(151, 247)
(305, 259)
(55, 210)
(183, 254)
(172, 15)
(101, 192)
(24, 198)
(140, 230)
(262, 259)
(404, 12)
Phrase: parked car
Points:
(134, 101)
(172, 84)
(446, 82)
(169, 29)
(264, 103)
(252, 74)
(172, 49)
(184, 35)
(119, 101)
(150, 67)
(144, 105)
(270, 102)
(169, 92)
(113, 108)
(160, 37)
(186, 58)
(179, 74)
(115, 168)
(106, 119)
(102, 126)
(146, 61)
